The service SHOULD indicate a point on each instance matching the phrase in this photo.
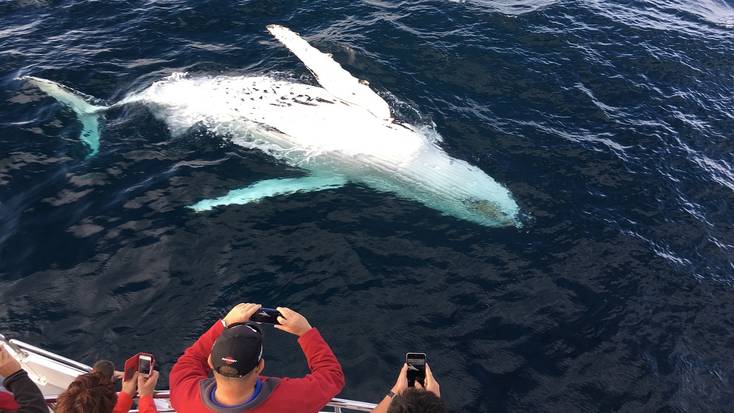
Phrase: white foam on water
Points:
(665, 15)
(509, 7)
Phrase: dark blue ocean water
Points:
(610, 122)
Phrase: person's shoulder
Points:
(270, 384)
(294, 392)
(192, 398)
(284, 383)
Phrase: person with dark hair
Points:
(106, 367)
(418, 399)
(26, 395)
(414, 400)
(88, 393)
(95, 393)
(232, 351)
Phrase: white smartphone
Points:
(145, 364)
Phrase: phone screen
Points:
(416, 368)
(144, 364)
(266, 315)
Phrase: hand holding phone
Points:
(146, 384)
(241, 313)
(416, 363)
(266, 315)
(292, 322)
(141, 363)
(431, 383)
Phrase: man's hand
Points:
(401, 384)
(241, 313)
(431, 383)
(8, 365)
(146, 385)
(292, 322)
(130, 386)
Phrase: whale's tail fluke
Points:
(88, 114)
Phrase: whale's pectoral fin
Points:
(87, 113)
(269, 188)
(331, 75)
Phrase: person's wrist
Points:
(305, 330)
(9, 370)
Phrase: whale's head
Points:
(465, 191)
(459, 189)
(478, 198)
(492, 212)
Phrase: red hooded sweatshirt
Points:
(192, 388)
(125, 402)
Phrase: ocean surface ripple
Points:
(610, 121)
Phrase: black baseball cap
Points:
(237, 350)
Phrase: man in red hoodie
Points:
(232, 350)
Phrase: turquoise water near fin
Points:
(270, 188)
(90, 132)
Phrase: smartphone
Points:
(416, 368)
(145, 363)
(266, 315)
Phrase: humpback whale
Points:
(338, 132)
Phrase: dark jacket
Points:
(26, 393)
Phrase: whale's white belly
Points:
(300, 121)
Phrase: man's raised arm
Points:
(326, 379)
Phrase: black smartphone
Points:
(416, 368)
(266, 315)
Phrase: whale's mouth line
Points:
(488, 209)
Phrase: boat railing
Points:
(336, 404)
(49, 360)
(22, 348)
